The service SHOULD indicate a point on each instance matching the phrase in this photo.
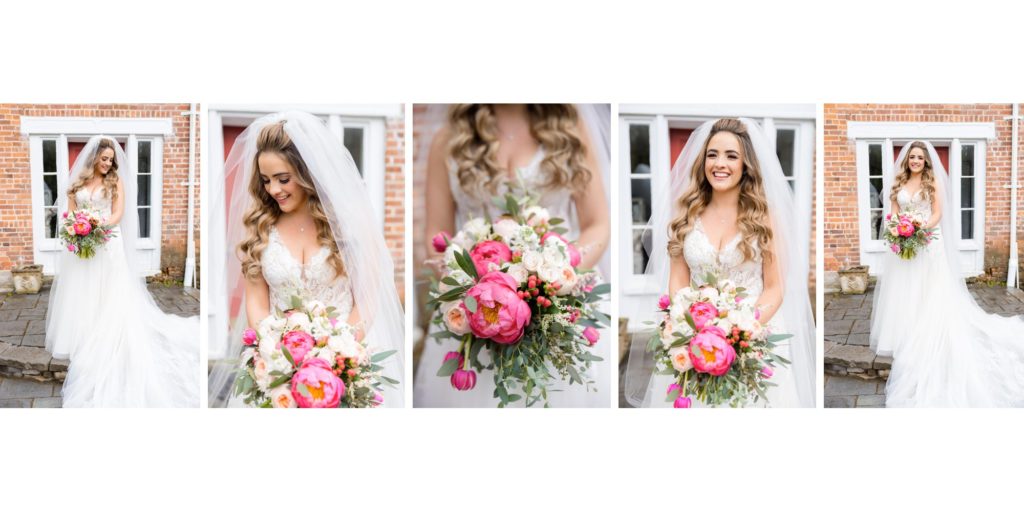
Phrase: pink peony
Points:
(710, 353)
(702, 313)
(440, 241)
(489, 251)
(463, 380)
(82, 227)
(574, 254)
(249, 337)
(664, 302)
(501, 315)
(905, 228)
(324, 387)
(299, 344)
(65, 215)
(591, 335)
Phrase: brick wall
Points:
(394, 198)
(841, 220)
(16, 188)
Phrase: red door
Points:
(677, 138)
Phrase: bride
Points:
(123, 350)
(559, 152)
(300, 224)
(730, 213)
(947, 352)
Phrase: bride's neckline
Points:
(699, 226)
(911, 194)
(534, 160)
(297, 260)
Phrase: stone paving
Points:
(29, 377)
(854, 375)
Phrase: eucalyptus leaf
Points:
(470, 303)
(448, 367)
(382, 356)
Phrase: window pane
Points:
(876, 224)
(144, 181)
(145, 154)
(967, 160)
(49, 189)
(640, 256)
(877, 195)
(50, 222)
(875, 159)
(641, 200)
(639, 149)
(785, 147)
(354, 144)
(143, 222)
(49, 156)
(966, 192)
(967, 224)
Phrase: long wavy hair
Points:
(927, 175)
(265, 212)
(753, 219)
(474, 144)
(109, 180)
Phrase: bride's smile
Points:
(723, 161)
(277, 175)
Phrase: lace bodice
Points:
(918, 202)
(97, 200)
(557, 201)
(314, 280)
(703, 258)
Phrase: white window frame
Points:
(952, 135)
(127, 131)
(661, 164)
(371, 118)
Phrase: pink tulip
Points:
(702, 313)
(767, 372)
(487, 252)
(463, 380)
(378, 399)
(65, 215)
(664, 302)
(324, 387)
(501, 315)
(440, 241)
(591, 335)
(574, 254)
(711, 353)
(249, 337)
(298, 343)
(454, 355)
(895, 248)
(683, 402)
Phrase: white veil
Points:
(792, 254)
(129, 231)
(949, 229)
(357, 232)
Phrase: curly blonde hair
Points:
(265, 211)
(109, 180)
(753, 219)
(474, 143)
(927, 175)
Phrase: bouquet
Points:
(713, 344)
(513, 287)
(905, 233)
(83, 230)
(305, 357)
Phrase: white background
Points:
(399, 51)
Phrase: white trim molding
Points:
(359, 110)
(711, 110)
(156, 126)
(913, 131)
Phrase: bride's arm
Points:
(774, 287)
(354, 320)
(936, 207)
(440, 205)
(118, 209)
(592, 210)
(257, 301)
(678, 275)
(72, 204)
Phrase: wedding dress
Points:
(946, 350)
(433, 391)
(123, 350)
(795, 384)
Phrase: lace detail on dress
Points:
(97, 200)
(702, 258)
(315, 280)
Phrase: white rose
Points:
(554, 254)
(688, 295)
(336, 342)
(725, 325)
(708, 294)
(326, 354)
(353, 349)
(455, 318)
(280, 363)
(536, 215)
(316, 308)
(476, 228)
(742, 318)
(518, 272)
(668, 337)
(449, 253)
(549, 273)
(298, 322)
(524, 239)
(261, 370)
(532, 260)
(281, 397)
(568, 281)
(506, 228)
